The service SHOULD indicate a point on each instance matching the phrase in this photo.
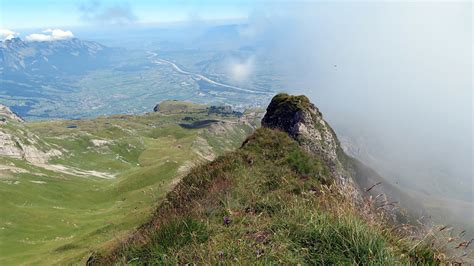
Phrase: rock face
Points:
(6, 113)
(24, 147)
(17, 142)
(297, 116)
(8, 147)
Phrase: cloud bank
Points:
(395, 78)
(50, 35)
(6, 34)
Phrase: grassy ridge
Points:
(268, 202)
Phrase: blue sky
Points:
(20, 14)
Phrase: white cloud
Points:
(241, 71)
(50, 35)
(119, 13)
(6, 34)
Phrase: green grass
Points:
(56, 218)
(172, 237)
(266, 203)
(170, 106)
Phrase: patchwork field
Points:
(81, 183)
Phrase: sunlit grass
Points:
(267, 203)
(51, 217)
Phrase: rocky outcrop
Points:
(298, 117)
(17, 142)
(9, 146)
(16, 147)
(7, 114)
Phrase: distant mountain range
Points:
(40, 72)
(50, 58)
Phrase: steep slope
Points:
(7, 114)
(287, 196)
(297, 116)
(103, 180)
(16, 141)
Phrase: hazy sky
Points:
(16, 14)
(398, 74)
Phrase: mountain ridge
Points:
(303, 121)
(254, 199)
(50, 58)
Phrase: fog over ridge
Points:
(395, 78)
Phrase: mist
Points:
(393, 79)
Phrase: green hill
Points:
(68, 187)
(289, 195)
(173, 187)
